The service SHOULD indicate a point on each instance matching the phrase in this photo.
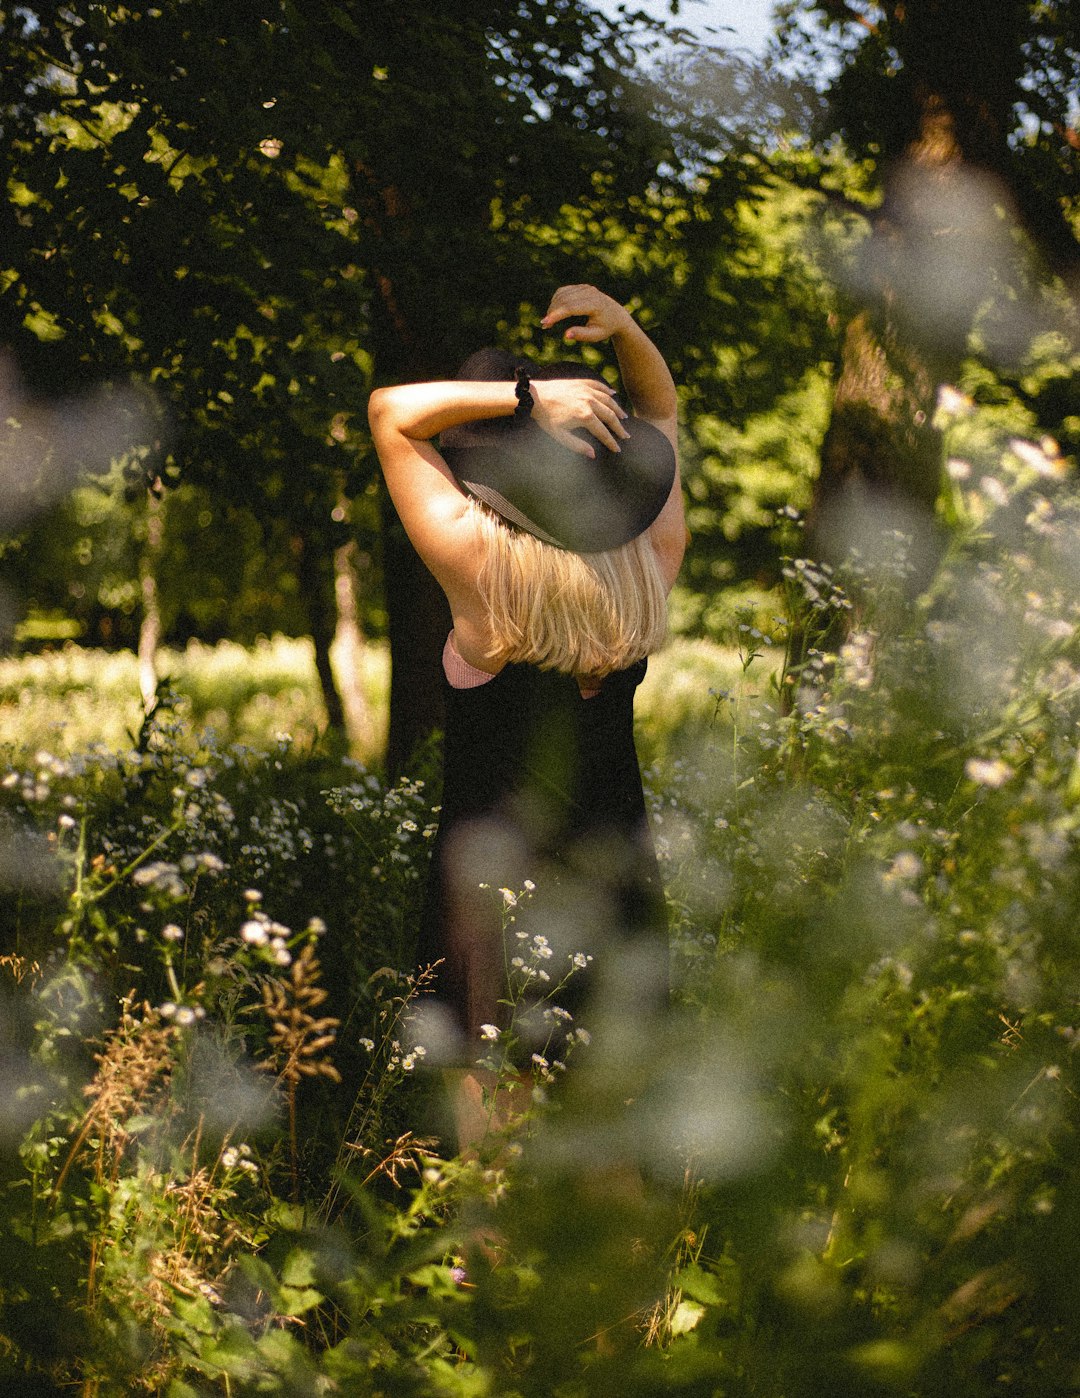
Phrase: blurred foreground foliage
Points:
(845, 1164)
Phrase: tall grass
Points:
(68, 698)
(845, 1163)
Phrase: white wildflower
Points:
(906, 865)
(254, 933)
(1044, 459)
(994, 491)
(172, 933)
(509, 898)
(489, 1031)
(954, 403)
(991, 772)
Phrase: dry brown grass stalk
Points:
(299, 1037)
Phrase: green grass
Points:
(66, 699)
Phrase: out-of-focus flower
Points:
(988, 771)
(1045, 458)
(952, 403)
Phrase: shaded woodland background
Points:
(225, 225)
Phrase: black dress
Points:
(541, 787)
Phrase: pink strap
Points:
(460, 673)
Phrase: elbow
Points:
(379, 404)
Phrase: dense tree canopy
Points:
(256, 213)
(262, 210)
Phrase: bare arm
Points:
(431, 506)
(649, 386)
(645, 374)
(421, 411)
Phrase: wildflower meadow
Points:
(844, 1163)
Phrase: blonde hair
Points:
(580, 613)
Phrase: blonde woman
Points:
(552, 519)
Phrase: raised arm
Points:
(649, 386)
(421, 411)
(405, 417)
(645, 374)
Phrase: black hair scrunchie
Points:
(525, 400)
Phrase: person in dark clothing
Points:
(552, 518)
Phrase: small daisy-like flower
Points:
(991, 772)
(254, 933)
(529, 886)
(540, 1060)
(580, 960)
(66, 822)
(489, 1031)
(172, 933)
(368, 1044)
(906, 865)
(185, 1016)
(1045, 459)
(509, 898)
(954, 403)
(167, 1010)
(583, 1036)
(252, 895)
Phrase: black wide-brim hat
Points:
(537, 484)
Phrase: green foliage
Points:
(67, 700)
(844, 1164)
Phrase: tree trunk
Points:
(925, 270)
(150, 626)
(419, 618)
(322, 623)
(346, 652)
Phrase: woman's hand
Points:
(562, 405)
(606, 316)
